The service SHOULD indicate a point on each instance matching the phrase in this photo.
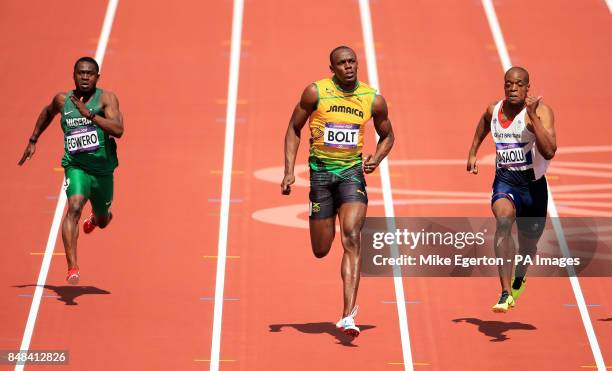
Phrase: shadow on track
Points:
(496, 329)
(322, 328)
(68, 294)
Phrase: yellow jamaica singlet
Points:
(337, 125)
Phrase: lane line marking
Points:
(243, 42)
(236, 101)
(370, 53)
(226, 183)
(498, 37)
(393, 175)
(227, 257)
(609, 4)
(222, 120)
(31, 295)
(235, 214)
(221, 360)
(552, 208)
(220, 172)
(61, 202)
(233, 200)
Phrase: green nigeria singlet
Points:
(86, 146)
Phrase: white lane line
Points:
(368, 42)
(582, 307)
(226, 184)
(42, 276)
(61, 202)
(552, 208)
(609, 4)
(498, 37)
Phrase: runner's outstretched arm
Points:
(482, 130)
(42, 123)
(301, 112)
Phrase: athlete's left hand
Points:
(531, 103)
(369, 165)
(80, 106)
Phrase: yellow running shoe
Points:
(505, 302)
(518, 286)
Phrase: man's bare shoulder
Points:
(379, 106)
(58, 100)
(544, 108)
(107, 94)
(108, 97)
(310, 95)
(311, 90)
(489, 110)
(60, 96)
(491, 107)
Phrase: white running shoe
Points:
(347, 324)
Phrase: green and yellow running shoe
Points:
(518, 286)
(505, 302)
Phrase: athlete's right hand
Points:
(472, 166)
(28, 153)
(288, 180)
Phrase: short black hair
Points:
(88, 60)
(520, 69)
(331, 55)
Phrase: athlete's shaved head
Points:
(516, 86)
(524, 75)
(339, 48)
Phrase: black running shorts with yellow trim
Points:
(329, 190)
(98, 189)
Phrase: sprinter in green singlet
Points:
(90, 120)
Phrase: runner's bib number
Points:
(341, 135)
(83, 139)
(512, 155)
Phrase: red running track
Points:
(147, 279)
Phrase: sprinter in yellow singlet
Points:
(338, 108)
